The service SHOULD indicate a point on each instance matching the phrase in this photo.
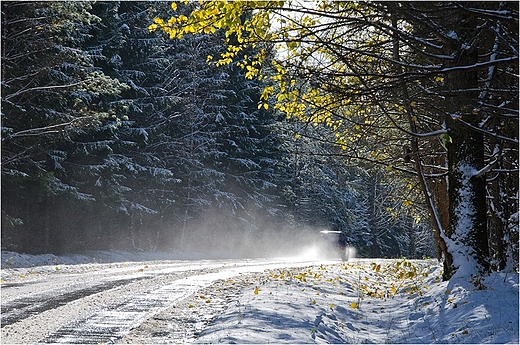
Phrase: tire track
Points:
(22, 308)
(111, 324)
(73, 306)
(109, 308)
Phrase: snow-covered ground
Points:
(365, 302)
(360, 301)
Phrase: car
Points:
(335, 243)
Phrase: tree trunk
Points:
(375, 250)
(466, 190)
(436, 218)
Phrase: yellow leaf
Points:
(173, 33)
(190, 29)
(174, 6)
(209, 30)
(257, 289)
(208, 301)
(158, 21)
(353, 305)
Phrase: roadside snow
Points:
(363, 302)
(17, 260)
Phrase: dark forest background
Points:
(117, 138)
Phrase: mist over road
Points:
(102, 303)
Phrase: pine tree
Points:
(52, 92)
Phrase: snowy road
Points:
(103, 303)
(47, 299)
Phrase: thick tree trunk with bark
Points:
(466, 189)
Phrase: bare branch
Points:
(46, 129)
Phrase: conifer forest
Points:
(153, 126)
